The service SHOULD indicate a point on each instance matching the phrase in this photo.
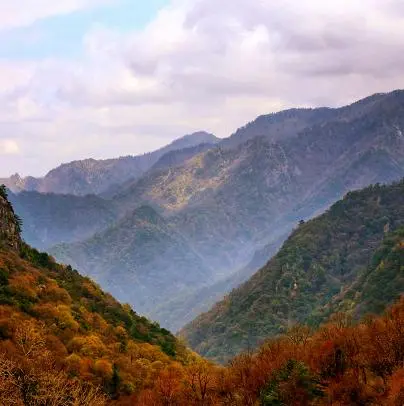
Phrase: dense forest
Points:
(339, 364)
(63, 341)
(328, 264)
(60, 330)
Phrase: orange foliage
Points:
(42, 329)
(56, 349)
(340, 364)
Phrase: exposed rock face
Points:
(9, 224)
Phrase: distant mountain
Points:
(229, 201)
(92, 176)
(169, 160)
(226, 200)
(287, 124)
(51, 219)
(326, 265)
(178, 157)
(141, 260)
(279, 126)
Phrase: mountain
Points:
(169, 160)
(227, 202)
(382, 281)
(141, 260)
(189, 141)
(176, 158)
(51, 219)
(62, 339)
(288, 124)
(319, 266)
(92, 176)
(226, 199)
(279, 126)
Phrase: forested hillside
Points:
(326, 263)
(63, 341)
(382, 282)
(339, 364)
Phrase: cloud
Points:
(200, 64)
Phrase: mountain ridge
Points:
(91, 176)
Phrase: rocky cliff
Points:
(10, 225)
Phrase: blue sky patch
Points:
(61, 36)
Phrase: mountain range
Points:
(64, 341)
(93, 176)
(224, 202)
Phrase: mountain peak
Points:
(199, 137)
(10, 224)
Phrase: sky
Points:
(106, 78)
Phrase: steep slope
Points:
(178, 157)
(316, 266)
(10, 224)
(61, 337)
(279, 126)
(141, 260)
(92, 176)
(52, 219)
(220, 200)
(381, 283)
(169, 160)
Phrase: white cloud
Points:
(201, 64)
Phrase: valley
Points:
(220, 203)
(201, 203)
